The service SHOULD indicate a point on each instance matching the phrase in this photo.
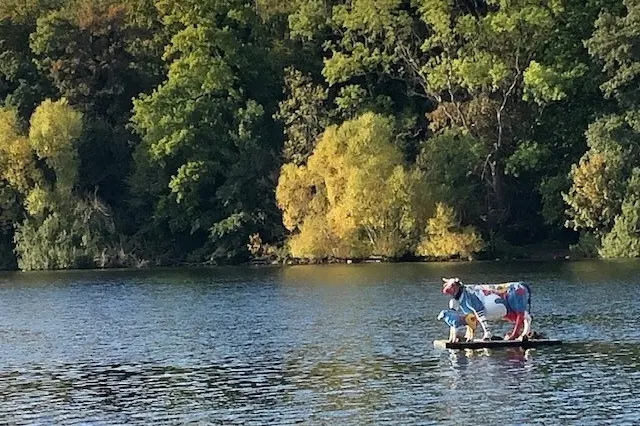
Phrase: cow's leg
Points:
(517, 325)
(527, 324)
(468, 336)
(485, 327)
(452, 334)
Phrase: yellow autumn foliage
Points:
(592, 199)
(37, 201)
(54, 128)
(316, 240)
(301, 193)
(445, 239)
(17, 165)
(354, 197)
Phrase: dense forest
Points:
(165, 132)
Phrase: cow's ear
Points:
(444, 279)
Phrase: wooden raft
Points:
(481, 344)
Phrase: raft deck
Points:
(481, 344)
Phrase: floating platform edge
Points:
(482, 344)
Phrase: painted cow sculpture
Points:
(510, 301)
(460, 325)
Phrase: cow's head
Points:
(451, 286)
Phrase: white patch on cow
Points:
(492, 308)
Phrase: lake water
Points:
(317, 345)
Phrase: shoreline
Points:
(533, 253)
(259, 265)
(550, 251)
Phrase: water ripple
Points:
(304, 346)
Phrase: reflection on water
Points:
(311, 345)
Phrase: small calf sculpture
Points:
(460, 325)
(510, 301)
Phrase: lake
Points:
(316, 345)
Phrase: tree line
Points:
(162, 132)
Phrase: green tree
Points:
(559, 126)
(10, 213)
(602, 198)
(17, 175)
(56, 226)
(99, 55)
(22, 86)
(599, 179)
(74, 236)
(84, 48)
(481, 64)
(361, 42)
(451, 162)
(207, 138)
(624, 238)
(483, 70)
(304, 115)
(615, 42)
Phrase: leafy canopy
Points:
(354, 197)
